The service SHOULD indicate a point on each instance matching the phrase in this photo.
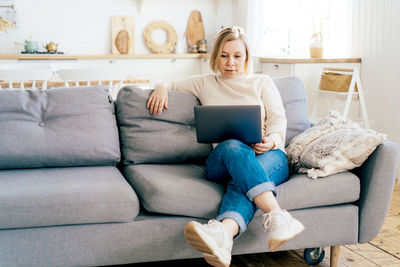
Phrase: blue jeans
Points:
(246, 175)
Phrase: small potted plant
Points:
(316, 48)
(316, 45)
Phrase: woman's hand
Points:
(266, 145)
(158, 100)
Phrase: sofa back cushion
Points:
(171, 136)
(166, 138)
(294, 100)
(57, 127)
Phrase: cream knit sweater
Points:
(254, 89)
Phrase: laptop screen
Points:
(215, 124)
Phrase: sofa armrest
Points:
(377, 177)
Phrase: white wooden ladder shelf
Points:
(355, 73)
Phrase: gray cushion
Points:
(175, 189)
(166, 138)
(57, 127)
(294, 100)
(302, 192)
(183, 190)
(171, 138)
(74, 195)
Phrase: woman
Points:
(251, 172)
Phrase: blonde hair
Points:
(227, 35)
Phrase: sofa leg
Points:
(334, 255)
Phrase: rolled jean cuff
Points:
(261, 188)
(237, 217)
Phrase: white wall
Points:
(83, 27)
(376, 40)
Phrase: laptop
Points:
(215, 124)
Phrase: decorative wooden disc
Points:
(122, 41)
(166, 48)
(122, 35)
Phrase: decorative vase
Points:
(316, 49)
(180, 46)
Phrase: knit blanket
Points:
(334, 144)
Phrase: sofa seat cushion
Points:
(302, 192)
(177, 189)
(61, 196)
(183, 190)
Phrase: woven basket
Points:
(335, 82)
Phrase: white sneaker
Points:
(212, 240)
(281, 227)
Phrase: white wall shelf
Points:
(106, 56)
(145, 67)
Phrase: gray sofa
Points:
(85, 181)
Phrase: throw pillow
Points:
(166, 138)
(333, 145)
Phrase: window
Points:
(285, 27)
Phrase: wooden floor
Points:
(383, 250)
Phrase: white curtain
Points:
(285, 27)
